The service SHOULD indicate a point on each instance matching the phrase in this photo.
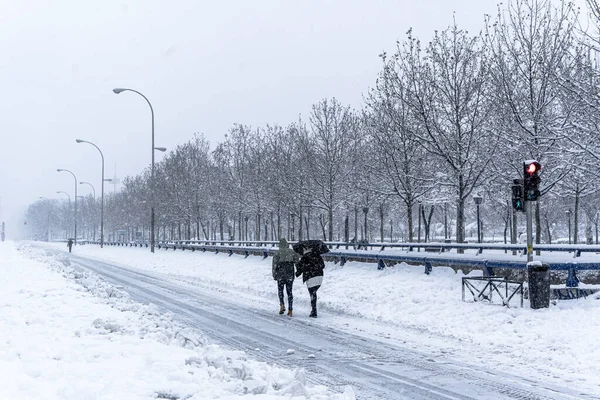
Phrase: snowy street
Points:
(376, 357)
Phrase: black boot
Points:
(313, 313)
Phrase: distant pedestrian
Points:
(70, 244)
(311, 267)
(284, 261)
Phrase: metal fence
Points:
(439, 257)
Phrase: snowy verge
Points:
(424, 312)
(74, 336)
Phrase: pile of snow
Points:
(67, 334)
(401, 303)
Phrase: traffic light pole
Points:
(528, 211)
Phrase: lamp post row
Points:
(152, 215)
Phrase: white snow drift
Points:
(66, 334)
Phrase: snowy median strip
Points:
(68, 334)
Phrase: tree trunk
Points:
(506, 225)
(381, 220)
(307, 221)
(419, 223)
(274, 231)
(330, 222)
(300, 223)
(266, 230)
(347, 231)
(221, 231)
(548, 232)
(366, 235)
(445, 221)
(576, 218)
(409, 216)
(460, 222)
(278, 222)
(258, 225)
(427, 222)
(355, 226)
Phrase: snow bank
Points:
(424, 312)
(67, 334)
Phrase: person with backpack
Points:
(284, 261)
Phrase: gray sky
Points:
(204, 65)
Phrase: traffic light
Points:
(531, 180)
(518, 201)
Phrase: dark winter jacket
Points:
(70, 243)
(284, 261)
(310, 265)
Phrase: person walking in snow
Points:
(70, 244)
(311, 267)
(284, 261)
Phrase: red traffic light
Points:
(531, 180)
(532, 167)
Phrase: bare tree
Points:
(450, 95)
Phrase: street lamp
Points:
(69, 196)
(478, 200)
(60, 191)
(569, 212)
(101, 191)
(92, 186)
(75, 206)
(120, 90)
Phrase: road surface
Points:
(374, 368)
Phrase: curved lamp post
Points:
(120, 90)
(92, 186)
(69, 197)
(75, 212)
(101, 191)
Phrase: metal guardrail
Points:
(440, 247)
(487, 265)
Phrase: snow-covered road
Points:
(376, 368)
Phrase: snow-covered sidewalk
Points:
(421, 311)
(66, 334)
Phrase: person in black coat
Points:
(311, 267)
(70, 244)
(283, 272)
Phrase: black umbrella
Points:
(316, 246)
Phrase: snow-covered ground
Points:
(424, 312)
(66, 334)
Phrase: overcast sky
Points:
(204, 65)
